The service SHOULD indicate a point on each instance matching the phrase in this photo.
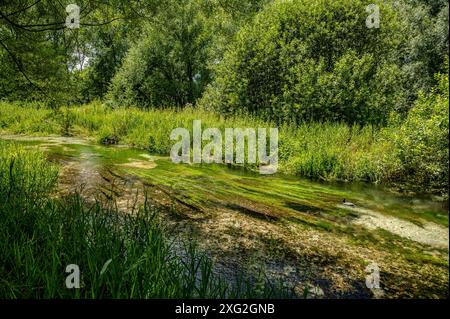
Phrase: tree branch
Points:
(19, 67)
(23, 9)
(62, 25)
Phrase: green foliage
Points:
(110, 45)
(167, 67)
(19, 118)
(331, 152)
(170, 65)
(119, 255)
(35, 73)
(65, 120)
(36, 53)
(327, 151)
(421, 142)
(302, 55)
(313, 60)
(40, 58)
(311, 68)
(25, 176)
(427, 48)
(310, 65)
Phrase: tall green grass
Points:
(34, 118)
(25, 175)
(327, 151)
(120, 255)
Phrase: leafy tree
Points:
(105, 48)
(32, 52)
(167, 66)
(171, 63)
(422, 141)
(314, 60)
(428, 43)
(40, 56)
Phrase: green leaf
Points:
(105, 267)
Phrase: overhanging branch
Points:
(19, 67)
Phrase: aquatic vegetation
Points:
(120, 255)
(350, 202)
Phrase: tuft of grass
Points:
(25, 175)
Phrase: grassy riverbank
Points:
(404, 155)
(119, 255)
(295, 231)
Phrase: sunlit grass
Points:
(120, 254)
(327, 151)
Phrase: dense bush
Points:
(313, 60)
(421, 142)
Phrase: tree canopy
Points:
(294, 61)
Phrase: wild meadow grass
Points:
(326, 151)
(25, 175)
(119, 254)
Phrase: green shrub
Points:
(421, 141)
(24, 117)
(65, 118)
(312, 60)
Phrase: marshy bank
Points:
(408, 157)
(120, 254)
(362, 113)
(295, 231)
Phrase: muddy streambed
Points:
(295, 230)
